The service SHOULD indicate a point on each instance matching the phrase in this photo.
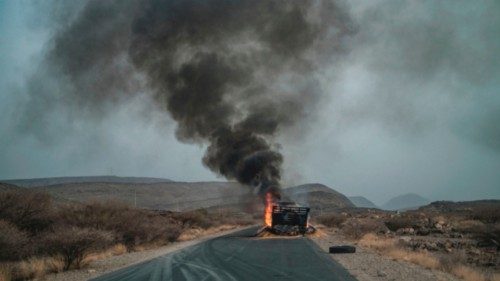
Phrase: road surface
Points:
(239, 256)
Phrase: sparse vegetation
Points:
(460, 238)
(74, 243)
(453, 263)
(356, 228)
(38, 237)
(13, 242)
(331, 220)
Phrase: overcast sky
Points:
(413, 106)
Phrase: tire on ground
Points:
(344, 249)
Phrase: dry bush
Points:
(486, 214)
(73, 244)
(130, 226)
(116, 250)
(452, 263)
(37, 267)
(13, 242)
(331, 220)
(398, 222)
(198, 218)
(371, 240)
(449, 261)
(470, 226)
(5, 271)
(357, 228)
(29, 211)
(468, 274)
(390, 247)
(421, 258)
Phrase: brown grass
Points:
(116, 250)
(37, 267)
(371, 240)
(421, 258)
(357, 228)
(452, 263)
(5, 271)
(331, 220)
(468, 274)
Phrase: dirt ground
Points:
(367, 265)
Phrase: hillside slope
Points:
(319, 197)
(37, 182)
(362, 202)
(9, 187)
(175, 196)
(405, 202)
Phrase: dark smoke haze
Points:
(232, 74)
(374, 98)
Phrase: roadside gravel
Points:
(103, 266)
(367, 265)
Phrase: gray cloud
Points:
(408, 103)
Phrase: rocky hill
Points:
(362, 202)
(405, 202)
(319, 197)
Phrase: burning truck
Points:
(286, 218)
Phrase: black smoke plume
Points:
(232, 74)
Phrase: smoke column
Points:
(232, 74)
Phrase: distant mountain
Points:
(405, 202)
(37, 182)
(317, 196)
(362, 202)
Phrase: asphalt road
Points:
(239, 256)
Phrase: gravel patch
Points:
(367, 265)
(100, 267)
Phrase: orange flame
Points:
(268, 210)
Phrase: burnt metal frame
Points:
(287, 215)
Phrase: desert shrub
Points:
(130, 226)
(449, 261)
(30, 211)
(6, 271)
(487, 236)
(357, 228)
(36, 267)
(470, 226)
(486, 214)
(73, 244)
(398, 222)
(13, 242)
(331, 220)
(99, 215)
(198, 218)
(152, 229)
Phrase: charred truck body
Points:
(289, 219)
